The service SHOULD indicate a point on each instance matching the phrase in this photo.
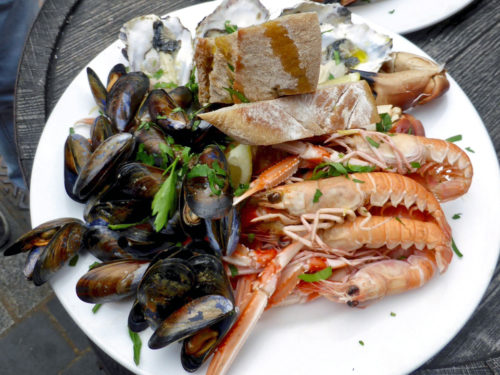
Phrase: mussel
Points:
(97, 88)
(101, 130)
(77, 152)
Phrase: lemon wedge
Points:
(239, 159)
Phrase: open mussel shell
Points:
(100, 167)
(164, 288)
(97, 88)
(198, 348)
(101, 130)
(103, 243)
(63, 245)
(192, 225)
(38, 236)
(77, 152)
(119, 211)
(210, 197)
(31, 261)
(198, 314)
(210, 276)
(165, 112)
(114, 74)
(136, 320)
(112, 281)
(224, 234)
(138, 180)
(124, 99)
(151, 139)
(182, 96)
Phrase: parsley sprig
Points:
(164, 201)
(215, 175)
(338, 169)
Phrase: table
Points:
(68, 33)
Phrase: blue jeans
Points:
(16, 17)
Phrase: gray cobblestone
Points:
(5, 320)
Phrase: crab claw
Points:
(407, 80)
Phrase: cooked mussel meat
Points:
(114, 74)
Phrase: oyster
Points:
(159, 47)
(345, 44)
(230, 13)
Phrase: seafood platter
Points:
(278, 187)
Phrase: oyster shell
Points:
(159, 47)
(241, 13)
(345, 44)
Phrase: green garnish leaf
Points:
(196, 123)
(125, 226)
(229, 27)
(231, 68)
(361, 343)
(146, 125)
(337, 169)
(165, 85)
(236, 93)
(136, 340)
(158, 74)
(326, 31)
(233, 269)
(415, 164)
(455, 249)
(164, 202)
(317, 195)
(213, 175)
(392, 11)
(393, 313)
(192, 85)
(385, 123)
(71, 130)
(96, 308)
(358, 181)
(331, 76)
(398, 219)
(336, 56)
(455, 138)
(324, 274)
(241, 189)
(143, 156)
(456, 216)
(359, 168)
(94, 265)
(251, 237)
(73, 261)
(470, 150)
(177, 109)
(372, 142)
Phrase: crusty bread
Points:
(343, 106)
(276, 58)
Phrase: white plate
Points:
(320, 336)
(405, 16)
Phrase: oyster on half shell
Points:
(345, 44)
(159, 47)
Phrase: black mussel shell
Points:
(38, 236)
(198, 314)
(137, 180)
(101, 130)
(97, 88)
(224, 234)
(192, 225)
(210, 199)
(164, 288)
(182, 96)
(114, 74)
(63, 246)
(77, 152)
(198, 348)
(150, 139)
(103, 243)
(119, 211)
(112, 281)
(211, 277)
(113, 151)
(125, 98)
(165, 112)
(136, 320)
(31, 261)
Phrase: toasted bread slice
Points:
(276, 58)
(289, 118)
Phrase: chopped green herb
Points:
(162, 117)
(410, 131)
(143, 156)
(336, 56)
(71, 130)
(470, 150)
(177, 109)
(236, 93)
(192, 85)
(251, 237)
(170, 140)
(456, 216)
(196, 123)
(455, 249)
(241, 189)
(136, 340)
(229, 27)
(372, 142)
(402, 257)
(392, 11)
(326, 31)
(366, 1)
(233, 269)
(158, 74)
(94, 265)
(231, 68)
(96, 308)
(125, 226)
(317, 195)
(164, 202)
(393, 313)
(385, 123)
(331, 76)
(165, 85)
(212, 174)
(359, 168)
(455, 138)
(337, 169)
(195, 113)
(415, 164)
(361, 343)
(101, 113)
(73, 261)
(358, 181)
(398, 219)
(324, 274)
(146, 125)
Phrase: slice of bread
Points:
(343, 106)
(273, 59)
